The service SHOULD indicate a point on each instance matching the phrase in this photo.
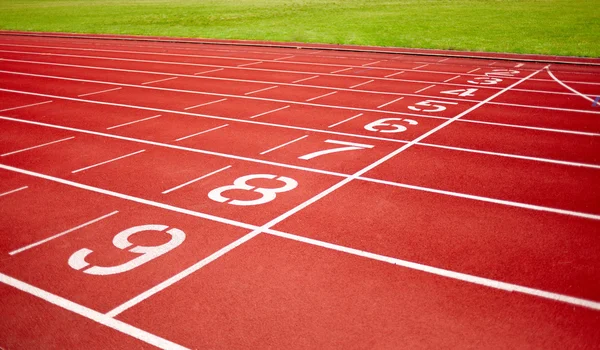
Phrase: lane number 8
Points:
(268, 194)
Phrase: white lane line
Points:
(391, 75)
(568, 87)
(20, 250)
(201, 132)
(30, 105)
(364, 83)
(248, 64)
(267, 112)
(423, 89)
(341, 70)
(93, 315)
(345, 120)
(255, 91)
(482, 281)
(389, 103)
(572, 132)
(283, 58)
(425, 65)
(283, 145)
(99, 92)
(296, 81)
(371, 63)
(519, 65)
(491, 64)
(327, 94)
(107, 161)
(445, 59)
(13, 191)
(195, 180)
(210, 71)
(449, 80)
(158, 81)
(205, 104)
(474, 70)
(38, 146)
(133, 122)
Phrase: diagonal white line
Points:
(210, 71)
(345, 120)
(30, 105)
(391, 75)
(195, 180)
(568, 87)
(327, 94)
(296, 81)
(13, 191)
(389, 103)
(99, 92)
(107, 161)
(267, 112)
(205, 104)
(38, 146)
(361, 84)
(259, 90)
(159, 80)
(133, 122)
(201, 132)
(423, 89)
(283, 145)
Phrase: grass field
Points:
(559, 27)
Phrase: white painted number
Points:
(461, 92)
(121, 241)
(268, 194)
(431, 103)
(384, 123)
(485, 81)
(350, 146)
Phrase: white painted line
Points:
(283, 58)
(425, 65)
(449, 80)
(283, 145)
(38, 146)
(357, 85)
(296, 81)
(205, 104)
(423, 89)
(491, 64)
(391, 75)
(133, 122)
(13, 191)
(445, 59)
(99, 92)
(509, 287)
(389, 103)
(248, 64)
(568, 87)
(201, 132)
(349, 143)
(327, 94)
(474, 70)
(519, 65)
(572, 132)
(345, 120)
(195, 180)
(159, 80)
(341, 70)
(30, 105)
(267, 112)
(255, 91)
(17, 251)
(209, 71)
(93, 315)
(107, 161)
(369, 64)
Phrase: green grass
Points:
(559, 27)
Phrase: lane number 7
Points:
(350, 146)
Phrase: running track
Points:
(235, 195)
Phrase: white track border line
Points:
(93, 315)
(107, 161)
(232, 58)
(326, 172)
(255, 229)
(13, 191)
(568, 87)
(284, 84)
(34, 147)
(48, 239)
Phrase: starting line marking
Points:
(267, 112)
(38, 146)
(99, 92)
(389, 103)
(259, 90)
(107, 161)
(283, 145)
(327, 94)
(345, 120)
(133, 122)
(357, 85)
(210, 71)
(205, 104)
(17, 251)
(30, 105)
(93, 315)
(371, 63)
(448, 80)
(13, 191)
(341, 70)
(474, 70)
(425, 65)
(201, 132)
(248, 64)
(194, 180)
(423, 89)
(391, 75)
(296, 81)
(159, 80)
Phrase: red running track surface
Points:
(220, 194)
